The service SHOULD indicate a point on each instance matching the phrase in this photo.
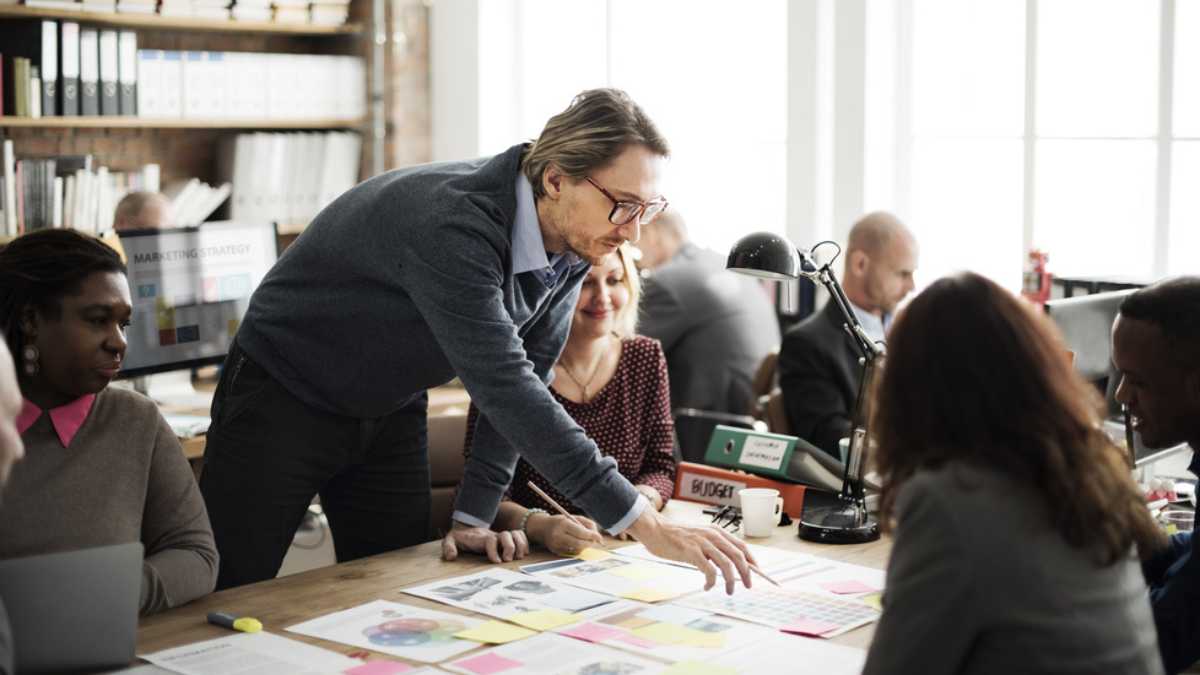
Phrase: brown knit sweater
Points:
(123, 479)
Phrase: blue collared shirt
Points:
(529, 256)
(874, 325)
(528, 247)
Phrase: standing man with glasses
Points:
(468, 269)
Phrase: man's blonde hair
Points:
(588, 135)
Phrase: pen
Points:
(555, 505)
(227, 620)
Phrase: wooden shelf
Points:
(155, 21)
(120, 122)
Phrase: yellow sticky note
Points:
(698, 668)
(875, 600)
(639, 572)
(647, 594)
(664, 633)
(544, 619)
(593, 554)
(705, 639)
(495, 633)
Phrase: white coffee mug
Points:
(761, 508)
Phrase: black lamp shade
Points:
(764, 254)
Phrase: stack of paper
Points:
(330, 12)
(137, 6)
(291, 11)
(251, 10)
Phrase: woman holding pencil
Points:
(614, 384)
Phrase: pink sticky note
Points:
(592, 632)
(486, 664)
(849, 587)
(803, 626)
(636, 641)
(379, 668)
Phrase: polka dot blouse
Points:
(629, 419)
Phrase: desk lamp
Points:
(771, 256)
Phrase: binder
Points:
(714, 485)
(36, 41)
(109, 100)
(89, 72)
(172, 84)
(149, 96)
(127, 72)
(49, 68)
(69, 58)
(195, 84)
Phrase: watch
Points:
(525, 519)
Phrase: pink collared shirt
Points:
(66, 419)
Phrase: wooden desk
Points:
(282, 602)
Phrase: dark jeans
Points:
(268, 454)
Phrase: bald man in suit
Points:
(715, 326)
(818, 363)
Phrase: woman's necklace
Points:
(584, 384)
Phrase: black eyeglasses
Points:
(625, 211)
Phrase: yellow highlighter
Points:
(227, 620)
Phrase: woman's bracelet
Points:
(525, 519)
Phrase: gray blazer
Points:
(979, 582)
(715, 326)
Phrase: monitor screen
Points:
(1086, 325)
(190, 288)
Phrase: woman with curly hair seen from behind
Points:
(1015, 519)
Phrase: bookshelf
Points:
(156, 22)
(117, 122)
(191, 147)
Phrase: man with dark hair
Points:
(818, 363)
(715, 326)
(469, 269)
(1156, 348)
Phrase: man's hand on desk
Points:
(708, 548)
(562, 535)
(498, 546)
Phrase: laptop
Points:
(73, 610)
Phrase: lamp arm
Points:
(871, 355)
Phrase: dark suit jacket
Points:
(715, 326)
(819, 374)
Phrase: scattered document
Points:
(257, 653)
(538, 603)
(773, 561)
(552, 654)
(787, 653)
(630, 578)
(392, 628)
(794, 611)
(669, 632)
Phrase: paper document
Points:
(800, 612)
(630, 578)
(251, 654)
(773, 561)
(552, 654)
(409, 632)
(515, 597)
(669, 631)
(787, 653)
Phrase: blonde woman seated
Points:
(1016, 522)
(614, 384)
